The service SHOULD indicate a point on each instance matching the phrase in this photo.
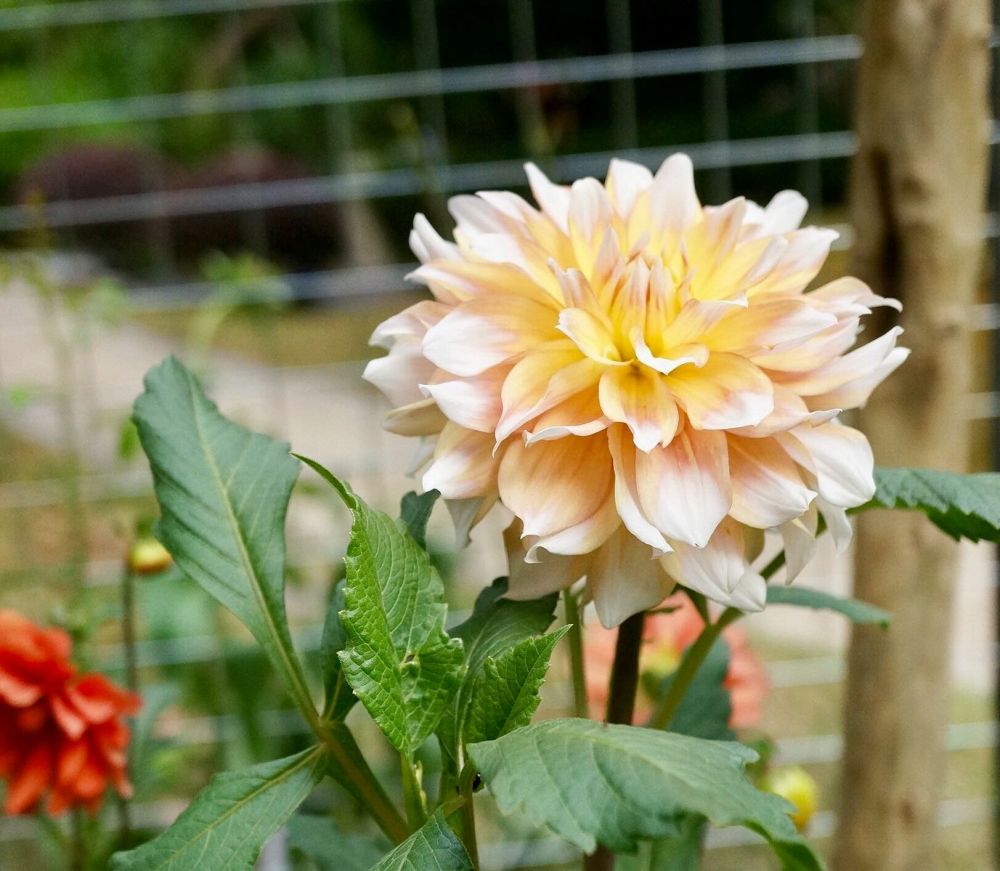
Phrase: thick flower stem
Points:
(468, 817)
(416, 815)
(572, 606)
(688, 668)
(621, 705)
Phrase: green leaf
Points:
(399, 660)
(505, 695)
(223, 494)
(615, 785)
(415, 510)
(433, 847)
(963, 506)
(329, 848)
(705, 710)
(230, 820)
(340, 697)
(805, 597)
(495, 625)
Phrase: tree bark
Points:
(917, 196)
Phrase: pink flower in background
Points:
(641, 380)
(664, 640)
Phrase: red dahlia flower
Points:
(61, 732)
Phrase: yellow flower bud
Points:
(148, 557)
(795, 785)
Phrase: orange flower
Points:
(665, 638)
(646, 383)
(61, 732)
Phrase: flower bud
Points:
(148, 557)
(795, 785)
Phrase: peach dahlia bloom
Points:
(642, 380)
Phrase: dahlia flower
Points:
(665, 637)
(643, 381)
(61, 732)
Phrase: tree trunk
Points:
(918, 189)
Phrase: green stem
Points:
(416, 813)
(468, 812)
(621, 706)
(572, 606)
(688, 668)
(352, 770)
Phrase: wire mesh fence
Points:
(306, 133)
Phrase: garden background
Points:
(234, 180)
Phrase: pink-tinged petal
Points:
(554, 485)
(696, 319)
(579, 415)
(464, 464)
(577, 293)
(554, 199)
(727, 392)
(472, 402)
(767, 322)
(540, 382)
(466, 513)
(790, 410)
(668, 207)
(837, 522)
(625, 181)
(799, 539)
(400, 373)
(590, 214)
(710, 242)
(681, 355)
(639, 398)
(684, 488)
(502, 328)
(782, 215)
(417, 419)
(627, 305)
(474, 215)
(856, 392)
(624, 578)
(720, 570)
(549, 574)
(413, 321)
(767, 487)
(465, 280)
(590, 334)
(839, 457)
(581, 538)
(427, 245)
(850, 297)
(520, 252)
(801, 262)
(623, 454)
(805, 355)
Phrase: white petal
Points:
(399, 374)
(417, 419)
(720, 570)
(799, 539)
(427, 245)
(464, 465)
(466, 513)
(627, 493)
(625, 181)
(552, 198)
(548, 575)
(623, 579)
(684, 488)
(472, 402)
(767, 487)
(840, 458)
(483, 333)
(837, 522)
